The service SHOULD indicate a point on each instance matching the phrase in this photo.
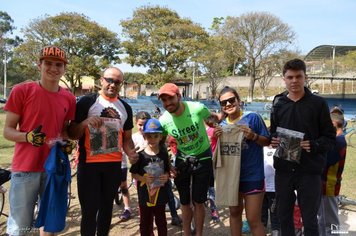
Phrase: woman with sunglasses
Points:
(251, 186)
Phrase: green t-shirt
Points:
(188, 128)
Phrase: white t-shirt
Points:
(124, 161)
(139, 141)
(269, 170)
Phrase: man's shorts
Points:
(251, 187)
(200, 182)
(123, 174)
(25, 188)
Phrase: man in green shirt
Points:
(184, 121)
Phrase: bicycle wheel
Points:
(69, 196)
(2, 202)
(351, 139)
(118, 198)
(73, 166)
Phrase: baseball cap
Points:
(53, 52)
(337, 109)
(169, 88)
(152, 126)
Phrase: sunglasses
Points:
(230, 100)
(152, 135)
(113, 81)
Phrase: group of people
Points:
(40, 111)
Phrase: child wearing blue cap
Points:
(151, 172)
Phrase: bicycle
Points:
(343, 201)
(73, 165)
(5, 176)
(74, 160)
(118, 197)
(350, 133)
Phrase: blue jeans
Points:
(25, 188)
(171, 200)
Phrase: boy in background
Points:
(269, 206)
(331, 177)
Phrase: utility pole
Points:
(5, 74)
(193, 81)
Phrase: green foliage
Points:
(90, 47)
(135, 77)
(214, 62)
(6, 24)
(159, 39)
(7, 44)
(234, 51)
(346, 63)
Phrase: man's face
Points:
(51, 69)
(111, 82)
(170, 103)
(295, 80)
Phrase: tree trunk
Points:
(139, 89)
(251, 87)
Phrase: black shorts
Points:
(200, 182)
(123, 174)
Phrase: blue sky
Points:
(315, 22)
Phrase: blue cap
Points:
(152, 126)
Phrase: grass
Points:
(6, 146)
(348, 181)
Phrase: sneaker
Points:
(176, 220)
(245, 227)
(215, 216)
(192, 228)
(126, 215)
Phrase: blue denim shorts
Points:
(25, 188)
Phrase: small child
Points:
(126, 214)
(137, 138)
(210, 124)
(269, 206)
(151, 172)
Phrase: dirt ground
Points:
(131, 227)
(127, 228)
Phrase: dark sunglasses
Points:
(113, 81)
(230, 100)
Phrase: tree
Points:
(234, 51)
(6, 26)
(137, 78)
(90, 47)
(261, 35)
(347, 61)
(159, 39)
(214, 63)
(271, 66)
(7, 44)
